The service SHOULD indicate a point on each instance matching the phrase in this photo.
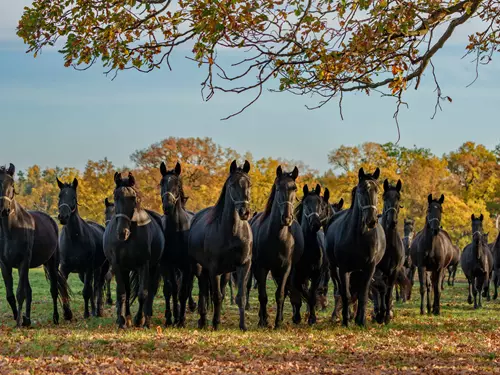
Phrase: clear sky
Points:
(51, 115)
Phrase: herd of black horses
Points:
(303, 247)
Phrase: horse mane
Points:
(299, 210)
(269, 204)
(216, 211)
(353, 196)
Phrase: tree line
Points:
(469, 177)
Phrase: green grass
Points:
(460, 340)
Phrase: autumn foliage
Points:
(469, 177)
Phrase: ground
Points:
(461, 340)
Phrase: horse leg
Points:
(495, 285)
(9, 287)
(479, 288)
(175, 295)
(191, 302)
(241, 298)
(454, 275)
(429, 291)
(313, 290)
(388, 297)
(486, 287)
(68, 314)
(121, 296)
(469, 298)
(22, 291)
(168, 280)
(109, 276)
(281, 280)
(184, 294)
(345, 295)
(261, 276)
(87, 293)
(202, 298)
(99, 280)
(336, 293)
(450, 273)
(422, 282)
(51, 267)
(215, 283)
(142, 294)
(437, 278)
(249, 288)
(153, 283)
(442, 279)
(296, 296)
(126, 283)
(398, 296)
(364, 286)
(411, 276)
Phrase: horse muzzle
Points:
(124, 234)
(244, 213)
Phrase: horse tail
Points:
(64, 292)
(134, 285)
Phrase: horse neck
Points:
(356, 217)
(13, 220)
(477, 248)
(177, 218)
(230, 220)
(274, 217)
(75, 223)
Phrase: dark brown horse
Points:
(431, 252)
(356, 244)
(409, 266)
(220, 241)
(278, 244)
(495, 250)
(477, 263)
(28, 239)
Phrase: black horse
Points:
(477, 263)
(322, 293)
(409, 266)
(109, 211)
(356, 244)
(393, 259)
(312, 213)
(220, 241)
(495, 250)
(278, 244)
(176, 259)
(452, 267)
(28, 239)
(80, 246)
(133, 244)
(431, 252)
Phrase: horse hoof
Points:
(181, 324)
(26, 321)
(243, 328)
(86, 315)
(469, 300)
(109, 302)
(147, 322)
(202, 323)
(215, 326)
(128, 321)
(296, 320)
(192, 307)
(168, 322)
(263, 324)
(311, 321)
(55, 318)
(100, 313)
(139, 320)
(68, 314)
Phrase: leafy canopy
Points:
(322, 47)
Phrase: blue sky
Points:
(64, 117)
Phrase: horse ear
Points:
(341, 203)
(118, 178)
(326, 195)
(376, 175)
(178, 169)
(361, 173)
(305, 190)
(429, 198)
(75, 183)
(233, 167)
(59, 183)
(481, 217)
(295, 173)
(279, 171)
(246, 167)
(163, 169)
(11, 170)
(441, 199)
(318, 189)
(399, 186)
(386, 185)
(131, 179)
(472, 217)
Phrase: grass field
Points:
(461, 340)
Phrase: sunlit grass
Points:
(461, 339)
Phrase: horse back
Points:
(45, 238)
